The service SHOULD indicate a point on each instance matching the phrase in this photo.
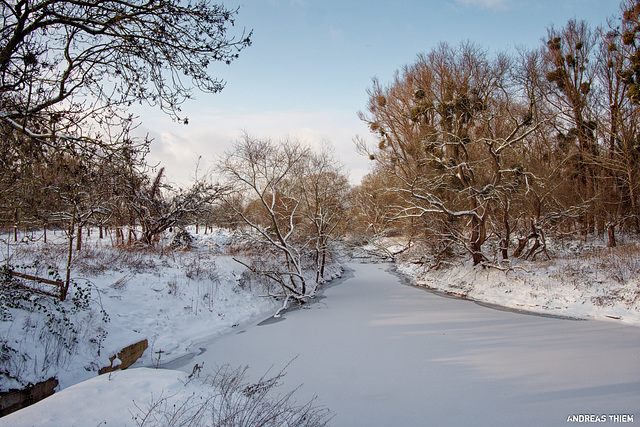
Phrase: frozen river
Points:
(380, 353)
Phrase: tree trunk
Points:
(324, 262)
(504, 244)
(533, 249)
(522, 243)
(612, 235)
(65, 288)
(79, 239)
(478, 236)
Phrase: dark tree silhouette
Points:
(68, 63)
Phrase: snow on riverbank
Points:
(160, 397)
(115, 399)
(169, 297)
(173, 298)
(580, 280)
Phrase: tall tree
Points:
(262, 170)
(447, 128)
(295, 202)
(69, 70)
(571, 68)
(618, 111)
(323, 189)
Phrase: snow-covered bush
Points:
(200, 266)
(42, 334)
(621, 263)
(181, 240)
(269, 271)
(235, 402)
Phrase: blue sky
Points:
(311, 62)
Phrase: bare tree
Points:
(262, 170)
(294, 205)
(618, 124)
(448, 126)
(372, 203)
(157, 207)
(323, 191)
(569, 55)
(73, 190)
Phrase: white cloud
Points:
(210, 134)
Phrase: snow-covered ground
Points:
(174, 298)
(584, 280)
(169, 297)
(119, 399)
(180, 299)
(161, 397)
(380, 353)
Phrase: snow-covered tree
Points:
(292, 207)
(449, 128)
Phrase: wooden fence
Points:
(57, 283)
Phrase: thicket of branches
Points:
(293, 201)
(472, 147)
(475, 147)
(69, 70)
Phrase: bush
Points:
(182, 240)
(51, 329)
(234, 402)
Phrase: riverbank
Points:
(578, 280)
(172, 298)
(121, 296)
(376, 352)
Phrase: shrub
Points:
(51, 329)
(233, 401)
(182, 240)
